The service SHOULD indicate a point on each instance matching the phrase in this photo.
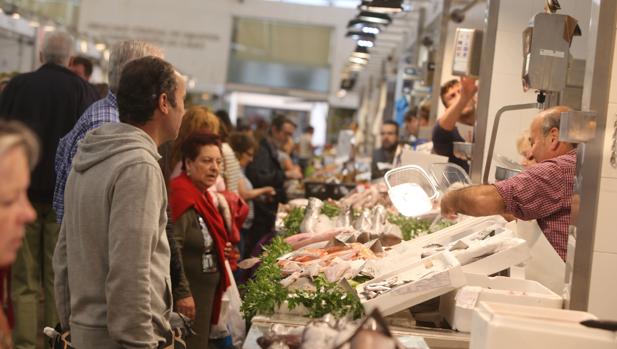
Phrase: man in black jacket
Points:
(48, 100)
(266, 171)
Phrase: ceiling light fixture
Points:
(358, 60)
(382, 6)
(361, 52)
(359, 35)
(365, 43)
(374, 17)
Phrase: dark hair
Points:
(391, 122)
(281, 120)
(444, 89)
(142, 82)
(411, 114)
(242, 142)
(87, 63)
(310, 129)
(424, 112)
(226, 126)
(194, 142)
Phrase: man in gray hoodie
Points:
(111, 262)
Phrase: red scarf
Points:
(185, 195)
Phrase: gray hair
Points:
(57, 48)
(551, 118)
(14, 134)
(125, 51)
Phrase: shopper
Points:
(102, 111)
(542, 192)
(231, 167)
(244, 147)
(415, 118)
(112, 257)
(82, 67)
(202, 235)
(306, 149)
(48, 100)
(384, 155)
(459, 99)
(196, 118)
(266, 171)
(18, 154)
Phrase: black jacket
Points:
(265, 170)
(49, 101)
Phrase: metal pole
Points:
(491, 147)
(484, 93)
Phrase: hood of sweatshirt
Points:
(109, 140)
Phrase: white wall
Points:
(196, 35)
(506, 86)
(602, 299)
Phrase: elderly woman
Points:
(18, 154)
(201, 233)
(196, 119)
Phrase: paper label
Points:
(467, 297)
(552, 53)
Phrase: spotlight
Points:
(374, 17)
(382, 6)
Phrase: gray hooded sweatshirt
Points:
(111, 262)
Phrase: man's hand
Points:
(468, 88)
(448, 205)
(186, 307)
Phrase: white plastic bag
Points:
(231, 321)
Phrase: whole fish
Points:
(311, 215)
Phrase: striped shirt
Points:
(231, 170)
(544, 192)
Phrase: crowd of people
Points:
(123, 209)
(136, 209)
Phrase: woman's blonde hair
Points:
(196, 118)
(14, 134)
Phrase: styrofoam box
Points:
(508, 326)
(457, 306)
(517, 253)
(448, 277)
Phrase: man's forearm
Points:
(478, 200)
(450, 117)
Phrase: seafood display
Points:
(329, 333)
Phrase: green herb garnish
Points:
(330, 210)
(264, 292)
(292, 222)
(410, 227)
(330, 298)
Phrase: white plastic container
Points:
(517, 251)
(457, 307)
(507, 326)
(446, 276)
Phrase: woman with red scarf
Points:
(201, 234)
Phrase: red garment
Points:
(185, 195)
(544, 192)
(239, 211)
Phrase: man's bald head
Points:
(544, 139)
